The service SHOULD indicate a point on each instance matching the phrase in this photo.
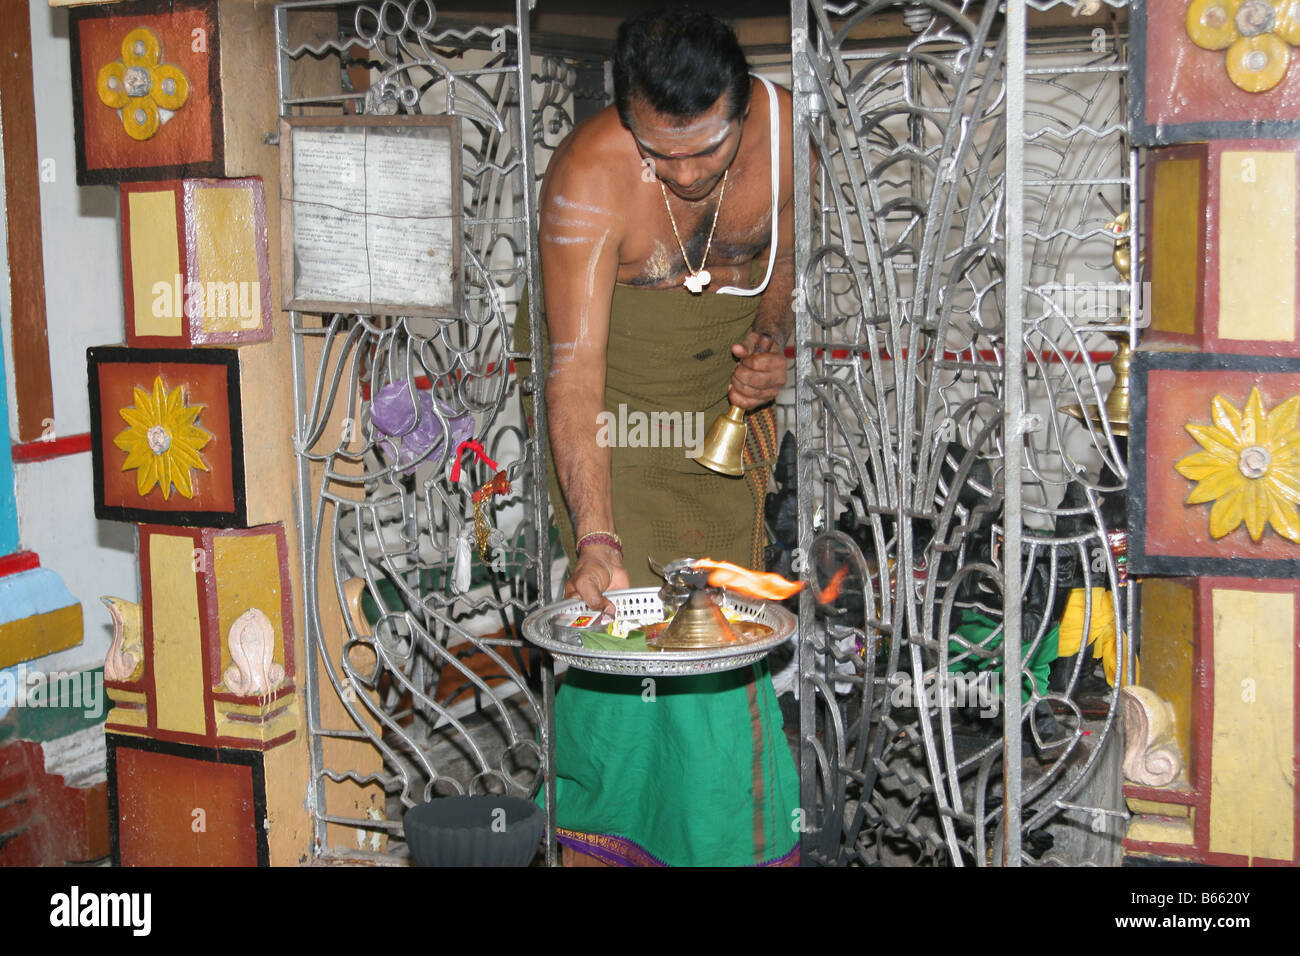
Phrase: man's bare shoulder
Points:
(597, 158)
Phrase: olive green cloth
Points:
(669, 356)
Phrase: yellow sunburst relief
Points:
(162, 441)
(144, 91)
(1249, 467)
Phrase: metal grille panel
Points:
(925, 399)
(420, 687)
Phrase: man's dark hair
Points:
(679, 61)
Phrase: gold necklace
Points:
(696, 279)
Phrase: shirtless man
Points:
(698, 772)
(681, 163)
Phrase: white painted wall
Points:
(83, 292)
(79, 226)
(56, 519)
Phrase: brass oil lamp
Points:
(698, 622)
(692, 588)
(1116, 409)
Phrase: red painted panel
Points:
(191, 141)
(45, 821)
(203, 385)
(158, 795)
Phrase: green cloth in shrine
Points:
(978, 629)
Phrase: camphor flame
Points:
(832, 590)
(755, 584)
(765, 585)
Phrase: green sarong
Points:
(683, 771)
(689, 770)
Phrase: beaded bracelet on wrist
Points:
(601, 537)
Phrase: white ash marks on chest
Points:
(660, 265)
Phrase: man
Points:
(648, 209)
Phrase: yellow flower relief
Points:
(1249, 468)
(144, 92)
(1257, 35)
(162, 442)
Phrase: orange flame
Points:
(756, 584)
(832, 590)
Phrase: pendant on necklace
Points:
(696, 281)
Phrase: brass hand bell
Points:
(724, 444)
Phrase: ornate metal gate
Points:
(931, 178)
(966, 193)
(417, 683)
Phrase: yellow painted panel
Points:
(1161, 830)
(1257, 246)
(1252, 790)
(264, 730)
(226, 249)
(1176, 241)
(177, 640)
(247, 567)
(126, 698)
(1156, 808)
(156, 258)
(1168, 651)
(119, 717)
(31, 637)
(259, 711)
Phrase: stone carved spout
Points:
(125, 660)
(1152, 757)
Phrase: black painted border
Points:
(248, 758)
(238, 518)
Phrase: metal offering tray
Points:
(542, 628)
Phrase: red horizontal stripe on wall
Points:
(55, 448)
(18, 561)
(425, 383)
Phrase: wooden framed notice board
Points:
(370, 214)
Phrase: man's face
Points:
(689, 156)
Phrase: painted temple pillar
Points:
(1215, 460)
(192, 436)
